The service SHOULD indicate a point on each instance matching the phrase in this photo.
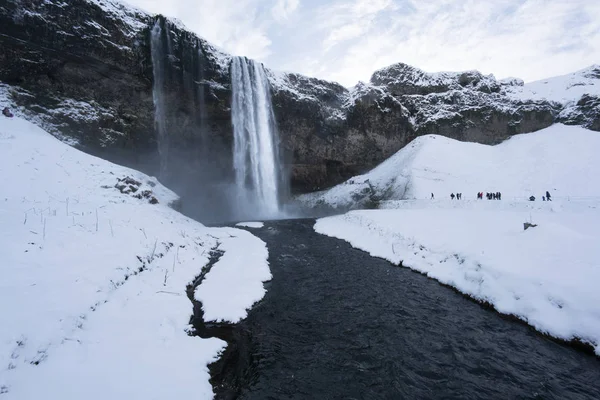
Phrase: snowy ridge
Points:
(302, 87)
(406, 79)
(95, 268)
(132, 16)
(563, 89)
(561, 159)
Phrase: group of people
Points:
(544, 198)
(494, 196)
(490, 196)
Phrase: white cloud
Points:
(283, 9)
(344, 21)
(347, 40)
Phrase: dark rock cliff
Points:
(83, 70)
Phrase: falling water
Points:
(158, 95)
(201, 115)
(255, 152)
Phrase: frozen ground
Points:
(92, 294)
(546, 275)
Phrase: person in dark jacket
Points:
(452, 196)
(548, 196)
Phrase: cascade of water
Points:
(255, 154)
(201, 101)
(158, 95)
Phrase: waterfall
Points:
(201, 115)
(255, 152)
(158, 95)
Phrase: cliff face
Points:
(84, 71)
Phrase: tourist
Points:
(548, 196)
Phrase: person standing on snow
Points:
(548, 196)
(432, 196)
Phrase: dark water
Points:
(337, 323)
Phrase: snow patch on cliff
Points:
(133, 17)
(561, 89)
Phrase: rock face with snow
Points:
(86, 70)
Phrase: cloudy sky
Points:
(346, 40)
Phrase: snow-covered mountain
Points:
(561, 159)
(85, 73)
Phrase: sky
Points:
(347, 40)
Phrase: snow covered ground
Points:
(560, 159)
(546, 275)
(92, 294)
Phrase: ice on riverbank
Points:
(254, 225)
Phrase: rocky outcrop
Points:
(333, 133)
(84, 71)
(585, 112)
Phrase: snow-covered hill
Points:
(561, 159)
(561, 89)
(94, 267)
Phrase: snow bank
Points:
(561, 159)
(546, 275)
(231, 270)
(255, 225)
(92, 295)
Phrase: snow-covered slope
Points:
(94, 268)
(561, 89)
(561, 159)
